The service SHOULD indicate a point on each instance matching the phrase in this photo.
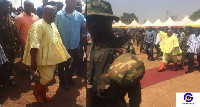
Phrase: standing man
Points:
(194, 48)
(149, 41)
(25, 20)
(44, 50)
(8, 33)
(39, 11)
(170, 48)
(69, 23)
(104, 88)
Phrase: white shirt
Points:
(193, 43)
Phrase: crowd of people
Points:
(168, 42)
(49, 37)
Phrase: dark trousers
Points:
(67, 68)
(7, 68)
(191, 60)
(158, 49)
(146, 49)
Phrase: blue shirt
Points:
(39, 11)
(70, 27)
(150, 36)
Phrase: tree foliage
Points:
(127, 18)
(195, 15)
(168, 14)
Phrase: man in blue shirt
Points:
(69, 23)
(39, 11)
(149, 41)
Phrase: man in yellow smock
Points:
(44, 49)
(170, 48)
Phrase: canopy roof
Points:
(186, 21)
(134, 24)
(147, 23)
(169, 22)
(119, 24)
(158, 23)
(195, 24)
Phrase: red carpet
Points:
(152, 77)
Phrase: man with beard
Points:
(43, 51)
(170, 48)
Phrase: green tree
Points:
(195, 15)
(127, 18)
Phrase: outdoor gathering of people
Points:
(59, 38)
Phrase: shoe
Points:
(38, 93)
(162, 66)
(188, 72)
(44, 95)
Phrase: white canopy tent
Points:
(134, 24)
(195, 24)
(147, 23)
(186, 21)
(169, 22)
(119, 24)
(157, 23)
(178, 23)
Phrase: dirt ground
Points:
(21, 96)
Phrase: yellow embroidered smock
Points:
(46, 38)
(168, 43)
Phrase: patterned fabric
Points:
(46, 38)
(8, 33)
(193, 43)
(126, 69)
(100, 7)
(3, 58)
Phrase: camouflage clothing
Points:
(102, 90)
(8, 31)
(109, 91)
(101, 8)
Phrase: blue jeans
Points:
(146, 49)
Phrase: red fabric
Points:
(152, 77)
